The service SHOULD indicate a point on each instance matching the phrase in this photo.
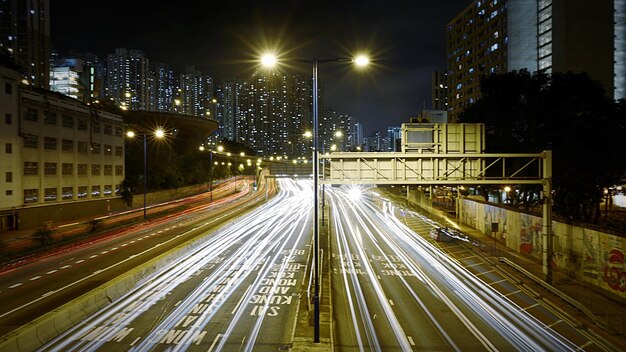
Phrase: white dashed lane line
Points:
(52, 271)
(79, 261)
(65, 267)
(16, 285)
(35, 278)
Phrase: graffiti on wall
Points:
(614, 271)
(590, 250)
(496, 215)
(530, 235)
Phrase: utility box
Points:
(443, 138)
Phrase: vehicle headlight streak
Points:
(256, 240)
(383, 301)
(521, 329)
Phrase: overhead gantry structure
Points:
(449, 169)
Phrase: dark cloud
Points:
(406, 38)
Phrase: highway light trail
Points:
(370, 235)
(222, 278)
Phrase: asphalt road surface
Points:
(396, 290)
(239, 290)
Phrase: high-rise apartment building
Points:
(439, 90)
(25, 35)
(476, 47)
(195, 93)
(358, 134)
(128, 79)
(335, 130)
(162, 99)
(394, 135)
(230, 92)
(497, 36)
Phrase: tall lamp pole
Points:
(145, 175)
(316, 235)
(158, 134)
(270, 60)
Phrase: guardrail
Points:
(555, 291)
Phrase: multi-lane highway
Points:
(33, 289)
(236, 290)
(394, 290)
(239, 287)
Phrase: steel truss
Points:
(448, 169)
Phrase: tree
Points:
(567, 113)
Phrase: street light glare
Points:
(361, 60)
(130, 134)
(159, 133)
(268, 60)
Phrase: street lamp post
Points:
(145, 175)
(270, 60)
(158, 133)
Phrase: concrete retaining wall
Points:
(589, 255)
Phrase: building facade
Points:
(25, 35)
(56, 149)
(128, 79)
(439, 89)
(498, 36)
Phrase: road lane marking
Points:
(93, 256)
(215, 342)
(484, 272)
(105, 252)
(52, 271)
(411, 340)
(496, 282)
(530, 306)
(47, 294)
(556, 322)
(16, 285)
(125, 244)
(511, 293)
(35, 278)
(391, 302)
(471, 265)
(134, 342)
(83, 278)
(79, 261)
(65, 267)
(241, 299)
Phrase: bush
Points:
(43, 236)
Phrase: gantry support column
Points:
(547, 236)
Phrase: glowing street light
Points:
(270, 60)
(159, 133)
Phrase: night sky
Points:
(405, 40)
